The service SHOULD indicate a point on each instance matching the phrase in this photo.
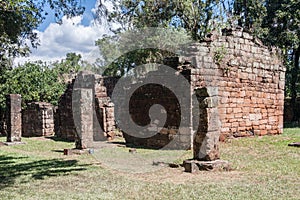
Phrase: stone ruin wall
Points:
(38, 120)
(64, 126)
(239, 84)
(104, 107)
(249, 81)
(140, 103)
(172, 135)
(102, 88)
(43, 119)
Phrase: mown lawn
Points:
(263, 168)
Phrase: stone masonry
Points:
(208, 133)
(249, 88)
(140, 103)
(64, 126)
(83, 117)
(14, 118)
(103, 114)
(103, 105)
(239, 84)
(175, 133)
(38, 120)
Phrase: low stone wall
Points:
(38, 120)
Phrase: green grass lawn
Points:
(263, 168)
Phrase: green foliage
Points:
(197, 17)
(282, 21)
(37, 81)
(250, 15)
(187, 18)
(18, 19)
(120, 54)
(68, 66)
(219, 54)
(34, 81)
(276, 23)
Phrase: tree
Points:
(186, 17)
(34, 81)
(283, 21)
(274, 22)
(196, 17)
(38, 81)
(66, 69)
(250, 15)
(124, 51)
(19, 19)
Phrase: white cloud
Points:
(71, 36)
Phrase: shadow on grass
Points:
(58, 151)
(58, 139)
(291, 125)
(130, 145)
(13, 167)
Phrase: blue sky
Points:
(87, 16)
(76, 35)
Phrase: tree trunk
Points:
(294, 81)
(247, 20)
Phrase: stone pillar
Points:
(206, 140)
(109, 120)
(87, 80)
(14, 117)
(82, 102)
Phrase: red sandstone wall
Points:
(104, 115)
(250, 80)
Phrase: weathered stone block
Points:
(38, 120)
(83, 117)
(14, 118)
(207, 148)
(194, 166)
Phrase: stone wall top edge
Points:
(14, 95)
(233, 33)
(44, 104)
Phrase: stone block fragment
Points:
(193, 166)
